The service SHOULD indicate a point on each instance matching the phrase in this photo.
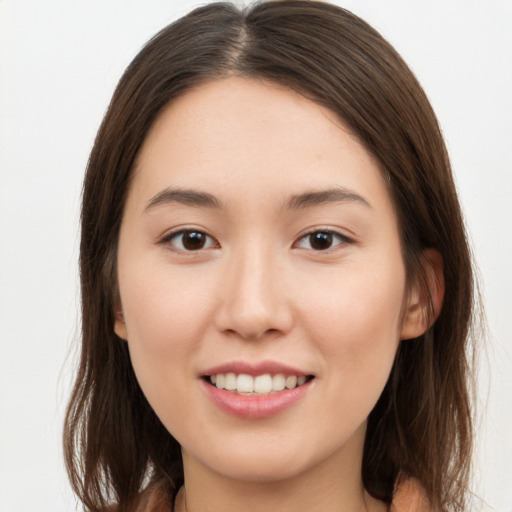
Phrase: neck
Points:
(332, 485)
(285, 502)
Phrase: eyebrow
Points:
(191, 197)
(183, 196)
(332, 195)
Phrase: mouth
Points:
(256, 385)
(256, 390)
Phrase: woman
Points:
(277, 290)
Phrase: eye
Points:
(321, 240)
(189, 240)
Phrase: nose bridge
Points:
(254, 299)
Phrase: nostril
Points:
(252, 335)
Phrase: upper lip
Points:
(254, 369)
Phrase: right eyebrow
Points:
(331, 195)
(187, 197)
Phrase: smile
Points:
(256, 391)
(256, 385)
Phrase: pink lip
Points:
(255, 406)
(261, 368)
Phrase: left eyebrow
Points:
(332, 195)
(187, 197)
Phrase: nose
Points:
(254, 297)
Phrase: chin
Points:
(262, 471)
(267, 464)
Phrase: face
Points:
(261, 280)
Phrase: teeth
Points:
(291, 381)
(230, 382)
(263, 384)
(278, 382)
(260, 385)
(244, 383)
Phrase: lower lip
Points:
(255, 406)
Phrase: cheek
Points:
(165, 315)
(161, 306)
(357, 321)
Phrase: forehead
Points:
(246, 136)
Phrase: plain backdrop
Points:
(60, 61)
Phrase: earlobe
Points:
(119, 325)
(426, 299)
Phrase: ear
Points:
(119, 325)
(426, 298)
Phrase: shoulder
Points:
(410, 497)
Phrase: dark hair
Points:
(115, 446)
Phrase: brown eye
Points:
(321, 240)
(193, 240)
(190, 240)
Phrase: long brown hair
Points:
(115, 446)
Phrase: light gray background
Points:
(60, 61)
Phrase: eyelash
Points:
(212, 243)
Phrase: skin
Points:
(258, 290)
